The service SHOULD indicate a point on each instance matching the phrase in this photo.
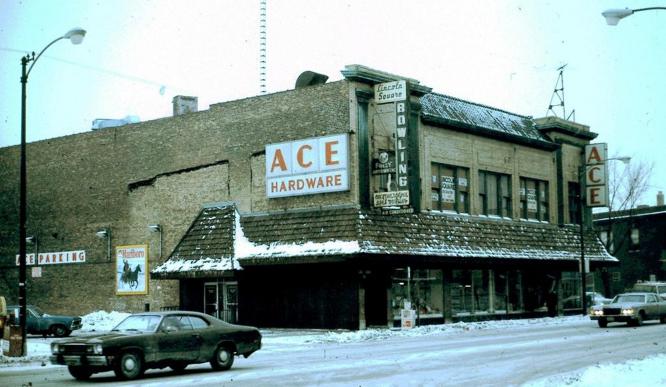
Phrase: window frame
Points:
(496, 187)
(461, 192)
(542, 199)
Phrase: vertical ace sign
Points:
(596, 182)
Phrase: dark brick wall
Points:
(80, 183)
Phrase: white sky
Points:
(499, 53)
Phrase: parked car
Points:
(45, 324)
(593, 298)
(632, 308)
(652, 287)
(172, 339)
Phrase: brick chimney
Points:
(184, 104)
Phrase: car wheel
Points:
(223, 358)
(178, 367)
(639, 320)
(663, 320)
(79, 373)
(129, 366)
(602, 323)
(60, 331)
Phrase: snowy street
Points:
(536, 352)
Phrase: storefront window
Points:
(420, 287)
(570, 290)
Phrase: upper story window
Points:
(494, 194)
(534, 199)
(449, 188)
(635, 237)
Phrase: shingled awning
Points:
(222, 240)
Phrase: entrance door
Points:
(221, 300)
(375, 301)
(230, 302)
(211, 299)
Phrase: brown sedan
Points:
(632, 308)
(156, 340)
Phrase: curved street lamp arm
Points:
(648, 9)
(34, 60)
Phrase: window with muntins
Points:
(449, 188)
(534, 201)
(494, 194)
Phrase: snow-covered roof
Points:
(222, 240)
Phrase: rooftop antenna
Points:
(558, 95)
(262, 46)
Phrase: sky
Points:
(138, 54)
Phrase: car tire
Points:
(129, 365)
(79, 373)
(60, 331)
(662, 319)
(602, 323)
(178, 367)
(639, 319)
(223, 358)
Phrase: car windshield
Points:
(629, 298)
(141, 323)
(38, 312)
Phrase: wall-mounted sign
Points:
(596, 183)
(78, 256)
(131, 270)
(306, 167)
(391, 92)
(391, 199)
(384, 165)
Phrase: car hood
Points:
(624, 305)
(102, 337)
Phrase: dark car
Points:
(172, 339)
(632, 308)
(42, 323)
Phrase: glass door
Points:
(230, 302)
(211, 299)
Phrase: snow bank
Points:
(643, 372)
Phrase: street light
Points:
(613, 16)
(583, 204)
(75, 35)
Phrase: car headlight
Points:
(598, 312)
(55, 348)
(97, 348)
(627, 311)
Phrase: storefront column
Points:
(361, 306)
(491, 291)
(446, 289)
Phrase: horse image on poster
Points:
(131, 269)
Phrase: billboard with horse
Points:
(132, 269)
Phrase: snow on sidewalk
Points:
(649, 371)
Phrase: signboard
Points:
(596, 183)
(131, 270)
(37, 272)
(306, 167)
(78, 256)
(391, 92)
(407, 318)
(401, 115)
(391, 198)
(384, 165)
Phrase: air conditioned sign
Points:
(306, 167)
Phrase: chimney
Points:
(184, 104)
(660, 198)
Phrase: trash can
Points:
(15, 339)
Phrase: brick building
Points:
(635, 237)
(332, 205)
